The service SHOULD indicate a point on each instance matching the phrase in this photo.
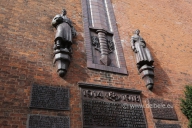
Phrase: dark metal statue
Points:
(63, 41)
(143, 58)
(143, 55)
(65, 31)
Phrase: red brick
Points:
(26, 54)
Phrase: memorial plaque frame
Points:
(159, 107)
(111, 107)
(161, 125)
(59, 100)
(47, 119)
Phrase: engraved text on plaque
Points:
(167, 125)
(111, 108)
(48, 97)
(39, 121)
(162, 109)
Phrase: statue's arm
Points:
(74, 33)
(53, 22)
(133, 44)
(143, 41)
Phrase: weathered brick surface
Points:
(26, 41)
(166, 27)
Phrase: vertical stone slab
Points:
(104, 53)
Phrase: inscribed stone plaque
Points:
(47, 97)
(162, 109)
(109, 107)
(167, 125)
(40, 121)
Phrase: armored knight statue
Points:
(143, 58)
(63, 41)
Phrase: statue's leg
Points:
(68, 45)
(59, 44)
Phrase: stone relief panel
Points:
(103, 46)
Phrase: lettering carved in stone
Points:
(113, 96)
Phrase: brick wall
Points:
(166, 27)
(26, 41)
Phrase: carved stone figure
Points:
(95, 42)
(143, 58)
(65, 31)
(110, 45)
(143, 55)
(63, 41)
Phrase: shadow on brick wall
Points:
(161, 80)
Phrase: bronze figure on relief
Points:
(63, 41)
(65, 31)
